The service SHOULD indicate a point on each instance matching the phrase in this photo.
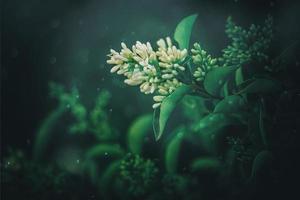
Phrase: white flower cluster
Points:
(154, 71)
(202, 61)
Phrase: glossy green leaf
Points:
(183, 31)
(210, 127)
(162, 114)
(105, 150)
(230, 104)
(261, 85)
(215, 121)
(204, 164)
(215, 79)
(137, 132)
(172, 151)
(194, 107)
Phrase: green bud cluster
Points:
(203, 62)
(248, 44)
(138, 174)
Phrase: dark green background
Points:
(67, 42)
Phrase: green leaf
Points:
(194, 107)
(205, 164)
(262, 161)
(108, 175)
(105, 150)
(215, 121)
(162, 114)
(239, 78)
(261, 85)
(136, 134)
(45, 132)
(92, 171)
(215, 79)
(183, 31)
(230, 104)
(172, 151)
(209, 128)
(225, 89)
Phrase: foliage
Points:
(162, 115)
(183, 31)
(95, 121)
(209, 77)
(223, 98)
(203, 62)
(247, 45)
(243, 152)
(138, 174)
(137, 133)
(34, 180)
(173, 149)
(224, 133)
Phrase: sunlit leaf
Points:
(172, 151)
(162, 114)
(230, 104)
(215, 79)
(183, 31)
(105, 150)
(261, 85)
(137, 132)
(204, 164)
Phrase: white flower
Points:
(167, 76)
(158, 98)
(156, 105)
(163, 91)
(168, 53)
(132, 82)
(154, 71)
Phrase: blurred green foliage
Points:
(247, 44)
(94, 121)
(139, 175)
(36, 181)
(222, 142)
